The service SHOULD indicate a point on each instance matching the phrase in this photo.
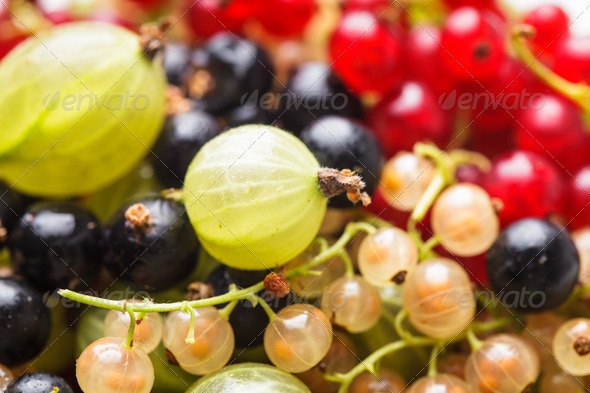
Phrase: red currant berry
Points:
(207, 17)
(551, 24)
(497, 104)
(411, 115)
(366, 53)
(473, 43)
(376, 6)
(298, 13)
(572, 58)
(490, 143)
(527, 184)
(578, 206)
(422, 51)
(490, 5)
(552, 126)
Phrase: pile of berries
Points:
(358, 196)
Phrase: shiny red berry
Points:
(411, 115)
(473, 42)
(422, 50)
(552, 126)
(551, 25)
(578, 206)
(572, 58)
(526, 184)
(297, 13)
(376, 6)
(366, 53)
(207, 17)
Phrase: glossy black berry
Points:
(248, 323)
(315, 92)
(342, 143)
(177, 59)
(226, 70)
(39, 383)
(57, 245)
(25, 322)
(181, 139)
(533, 265)
(249, 113)
(151, 244)
(10, 212)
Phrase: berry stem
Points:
(577, 92)
(398, 324)
(432, 363)
(410, 341)
(267, 309)
(227, 310)
(352, 230)
(128, 343)
(349, 266)
(190, 336)
(474, 342)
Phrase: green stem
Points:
(351, 230)
(398, 324)
(432, 363)
(190, 336)
(267, 309)
(370, 361)
(128, 343)
(474, 342)
(227, 310)
(577, 92)
(425, 249)
(349, 266)
(409, 341)
(173, 194)
(438, 183)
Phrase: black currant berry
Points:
(341, 143)
(10, 211)
(228, 70)
(57, 245)
(315, 92)
(39, 383)
(151, 244)
(177, 59)
(181, 139)
(533, 265)
(25, 322)
(247, 322)
(249, 113)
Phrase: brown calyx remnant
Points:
(198, 290)
(3, 233)
(276, 285)
(334, 182)
(400, 277)
(498, 205)
(582, 346)
(151, 37)
(140, 219)
(200, 83)
(171, 359)
(176, 101)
